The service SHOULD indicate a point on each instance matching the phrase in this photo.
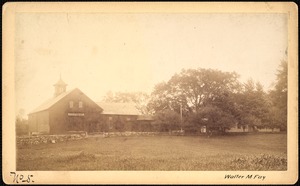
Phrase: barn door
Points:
(76, 124)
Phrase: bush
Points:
(259, 162)
(167, 120)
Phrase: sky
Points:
(101, 52)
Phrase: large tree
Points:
(193, 88)
(196, 91)
(279, 95)
(253, 104)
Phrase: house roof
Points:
(119, 108)
(50, 102)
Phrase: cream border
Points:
(168, 177)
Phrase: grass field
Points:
(238, 152)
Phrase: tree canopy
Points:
(200, 93)
(218, 100)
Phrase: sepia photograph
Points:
(168, 92)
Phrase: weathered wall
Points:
(39, 122)
(32, 124)
(118, 122)
(60, 122)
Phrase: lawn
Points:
(199, 153)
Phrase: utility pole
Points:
(181, 116)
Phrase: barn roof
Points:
(119, 108)
(50, 102)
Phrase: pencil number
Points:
(20, 178)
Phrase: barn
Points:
(66, 111)
(74, 111)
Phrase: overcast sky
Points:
(132, 52)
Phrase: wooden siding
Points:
(118, 122)
(59, 118)
(39, 122)
(63, 118)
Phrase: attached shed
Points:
(145, 123)
(119, 116)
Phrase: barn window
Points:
(71, 104)
(128, 119)
(110, 118)
(80, 104)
